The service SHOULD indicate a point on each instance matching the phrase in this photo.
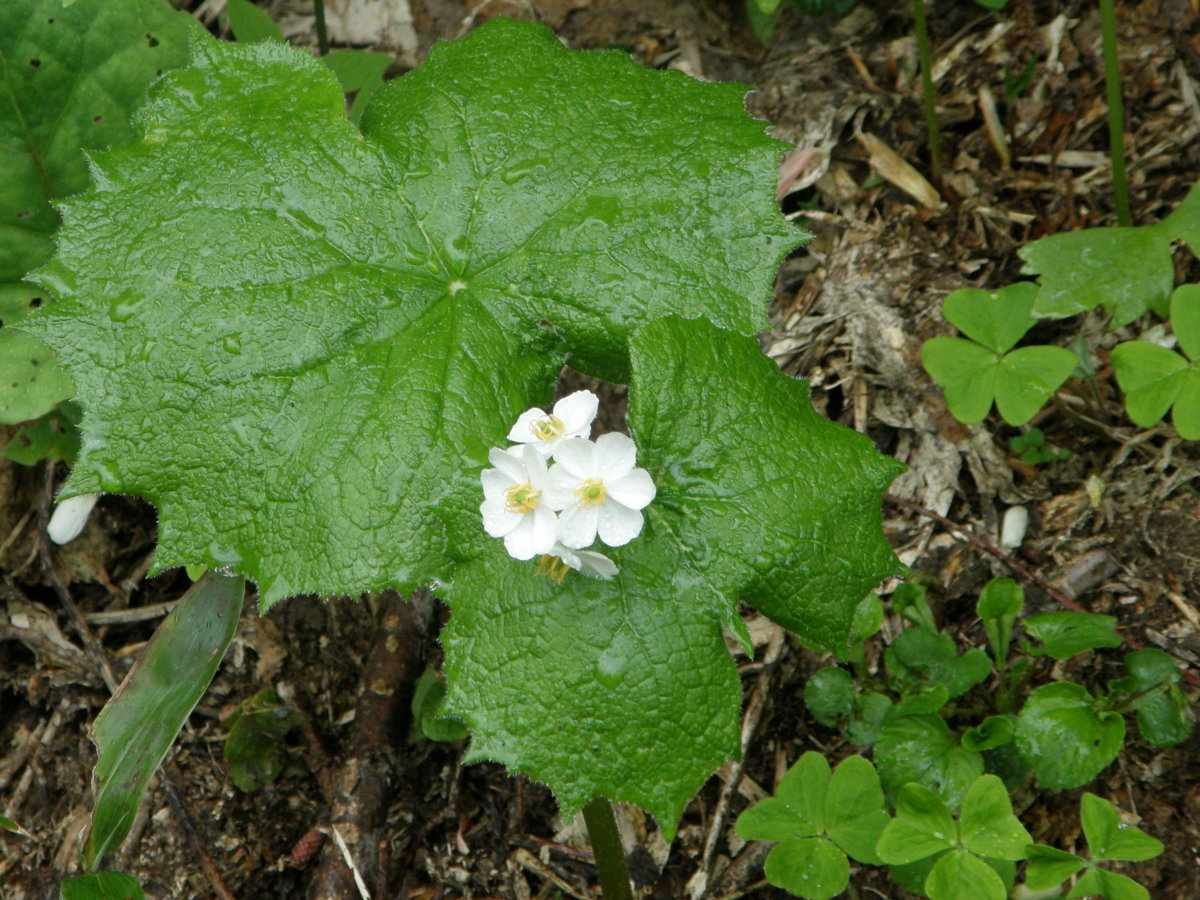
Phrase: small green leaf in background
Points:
(999, 603)
(911, 601)
(250, 23)
(73, 77)
(1128, 270)
(1162, 714)
(7, 824)
(921, 749)
(974, 373)
(919, 655)
(829, 695)
(1155, 379)
(101, 886)
(359, 72)
(1067, 633)
(427, 720)
(138, 725)
(255, 752)
(923, 699)
(993, 732)
(871, 711)
(1064, 739)
(52, 436)
(868, 617)
(818, 818)
(1032, 447)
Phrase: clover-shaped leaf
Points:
(1162, 707)
(1063, 738)
(370, 310)
(1155, 379)
(1068, 633)
(818, 818)
(1129, 269)
(974, 373)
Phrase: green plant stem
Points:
(606, 845)
(322, 33)
(1116, 112)
(931, 122)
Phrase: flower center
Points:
(521, 498)
(552, 567)
(590, 493)
(547, 428)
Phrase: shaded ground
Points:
(850, 313)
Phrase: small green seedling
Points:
(427, 720)
(819, 819)
(986, 368)
(1155, 695)
(998, 606)
(1108, 840)
(1129, 271)
(1155, 379)
(255, 749)
(1032, 448)
(1066, 736)
(963, 849)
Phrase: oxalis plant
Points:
(309, 344)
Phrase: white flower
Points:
(513, 506)
(595, 565)
(572, 417)
(599, 490)
(69, 517)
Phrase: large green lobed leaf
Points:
(299, 342)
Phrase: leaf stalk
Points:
(606, 846)
(1116, 112)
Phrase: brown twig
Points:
(361, 786)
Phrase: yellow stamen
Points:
(547, 428)
(552, 567)
(521, 498)
(590, 493)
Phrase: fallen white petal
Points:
(69, 517)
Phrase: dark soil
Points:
(851, 310)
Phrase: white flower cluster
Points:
(556, 509)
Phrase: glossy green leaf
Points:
(925, 698)
(1026, 377)
(1127, 270)
(371, 313)
(995, 319)
(1064, 739)
(920, 655)
(255, 753)
(993, 732)
(808, 867)
(52, 436)
(998, 605)
(987, 826)
(770, 819)
(101, 886)
(1162, 713)
(922, 827)
(1066, 634)
(1109, 885)
(959, 874)
(30, 381)
(1049, 867)
(359, 72)
(137, 726)
(804, 789)
(1108, 839)
(911, 601)
(250, 23)
(854, 813)
(921, 749)
(829, 695)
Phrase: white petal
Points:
(509, 462)
(618, 524)
(497, 520)
(522, 432)
(577, 527)
(534, 535)
(616, 455)
(494, 482)
(595, 565)
(577, 411)
(634, 490)
(535, 465)
(559, 490)
(69, 517)
(577, 457)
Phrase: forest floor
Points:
(851, 310)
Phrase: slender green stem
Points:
(322, 34)
(606, 845)
(1116, 112)
(931, 122)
